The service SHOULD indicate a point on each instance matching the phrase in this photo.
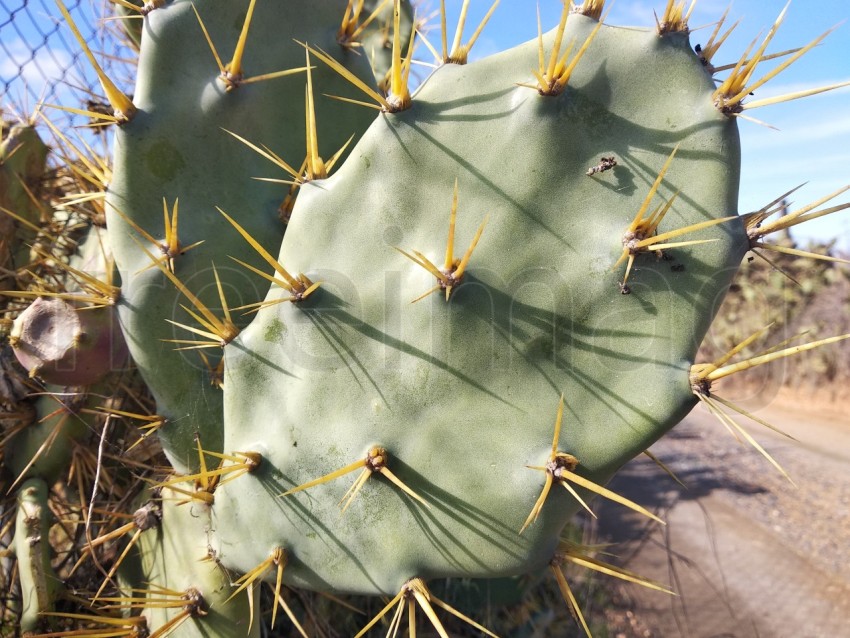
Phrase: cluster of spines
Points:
(553, 77)
(730, 93)
(352, 26)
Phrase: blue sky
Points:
(813, 143)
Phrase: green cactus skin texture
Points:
(43, 449)
(464, 394)
(175, 148)
(172, 557)
(23, 162)
(39, 583)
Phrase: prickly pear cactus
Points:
(370, 380)
(462, 387)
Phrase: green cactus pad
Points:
(176, 148)
(464, 394)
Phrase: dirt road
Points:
(750, 554)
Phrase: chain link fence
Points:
(41, 62)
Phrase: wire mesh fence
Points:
(40, 62)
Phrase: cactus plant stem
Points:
(48, 442)
(39, 584)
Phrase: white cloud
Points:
(36, 73)
(797, 131)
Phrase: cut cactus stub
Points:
(66, 345)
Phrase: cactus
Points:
(186, 145)
(72, 338)
(23, 163)
(32, 548)
(501, 290)
(462, 388)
